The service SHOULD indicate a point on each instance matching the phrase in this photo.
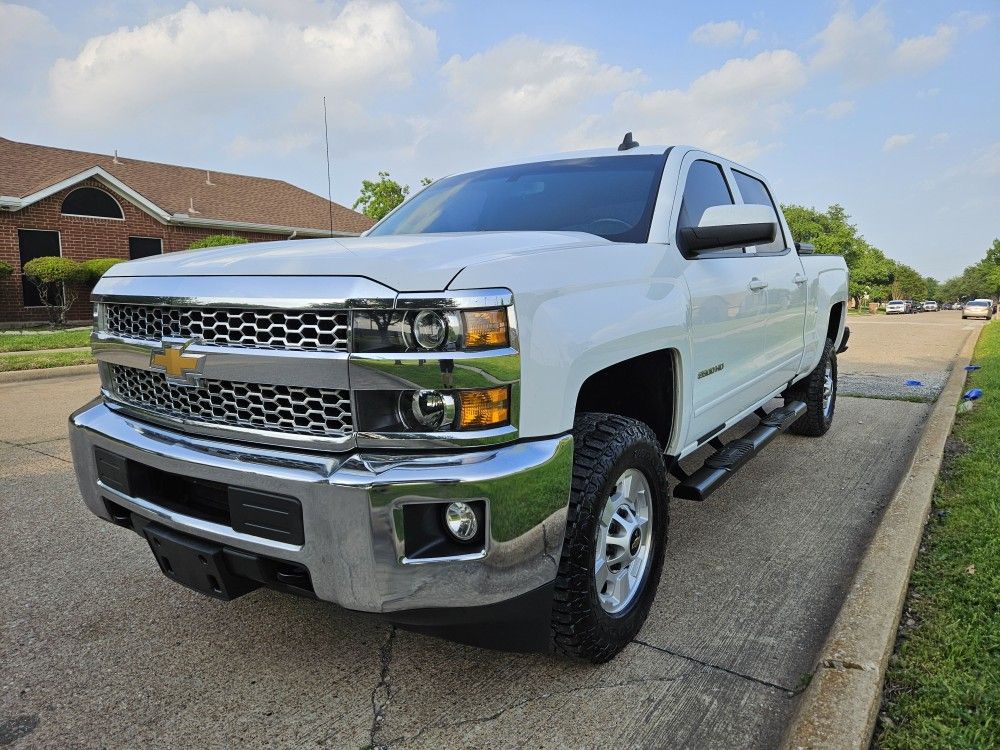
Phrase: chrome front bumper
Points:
(354, 539)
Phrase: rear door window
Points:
(755, 192)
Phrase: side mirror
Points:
(726, 227)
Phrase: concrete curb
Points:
(841, 704)
(22, 376)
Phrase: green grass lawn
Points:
(943, 686)
(28, 342)
(10, 362)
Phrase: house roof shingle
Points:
(26, 168)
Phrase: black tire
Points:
(815, 422)
(605, 446)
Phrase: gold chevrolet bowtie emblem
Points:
(179, 367)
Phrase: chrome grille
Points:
(282, 408)
(310, 330)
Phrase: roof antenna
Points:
(329, 184)
(208, 178)
(115, 160)
(627, 142)
(191, 206)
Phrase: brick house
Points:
(80, 205)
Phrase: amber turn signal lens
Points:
(485, 328)
(484, 408)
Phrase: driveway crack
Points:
(382, 692)
(27, 447)
(487, 718)
(774, 686)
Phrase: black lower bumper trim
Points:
(240, 570)
(520, 625)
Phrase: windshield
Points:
(978, 303)
(611, 197)
(897, 302)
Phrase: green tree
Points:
(216, 240)
(908, 284)
(933, 287)
(97, 267)
(379, 197)
(6, 269)
(993, 253)
(58, 281)
(830, 231)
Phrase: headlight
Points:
(427, 411)
(430, 330)
(455, 410)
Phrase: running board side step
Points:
(731, 457)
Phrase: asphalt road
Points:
(100, 650)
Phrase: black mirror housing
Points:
(726, 236)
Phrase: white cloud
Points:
(897, 140)
(834, 110)
(195, 59)
(921, 52)
(928, 93)
(23, 29)
(524, 88)
(864, 49)
(723, 33)
(972, 21)
(735, 110)
(243, 146)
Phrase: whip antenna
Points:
(329, 184)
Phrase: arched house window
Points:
(92, 202)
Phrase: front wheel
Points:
(616, 529)
(819, 392)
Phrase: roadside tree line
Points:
(874, 277)
(980, 280)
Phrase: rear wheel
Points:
(818, 391)
(616, 529)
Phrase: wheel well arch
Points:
(833, 326)
(642, 388)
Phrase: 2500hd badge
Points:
(465, 420)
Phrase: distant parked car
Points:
(897, 307)
(978, 308)
(930, 306)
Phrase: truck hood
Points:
(406, 263)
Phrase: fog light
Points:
(461, 521)
(429, 329)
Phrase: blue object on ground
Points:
(970, 368)
(973, 393)
(913, 383)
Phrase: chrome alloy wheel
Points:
(828, 389)
(624, 541)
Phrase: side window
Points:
(706, 186)
(756, 192)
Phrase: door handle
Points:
(800, 279)
(757, 284)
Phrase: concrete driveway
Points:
(100, 650)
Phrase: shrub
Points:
(216, 240)
(57, 280)
(6, 269)
(97, 267)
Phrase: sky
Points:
(889, 109)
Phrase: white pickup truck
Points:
(464, 420)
